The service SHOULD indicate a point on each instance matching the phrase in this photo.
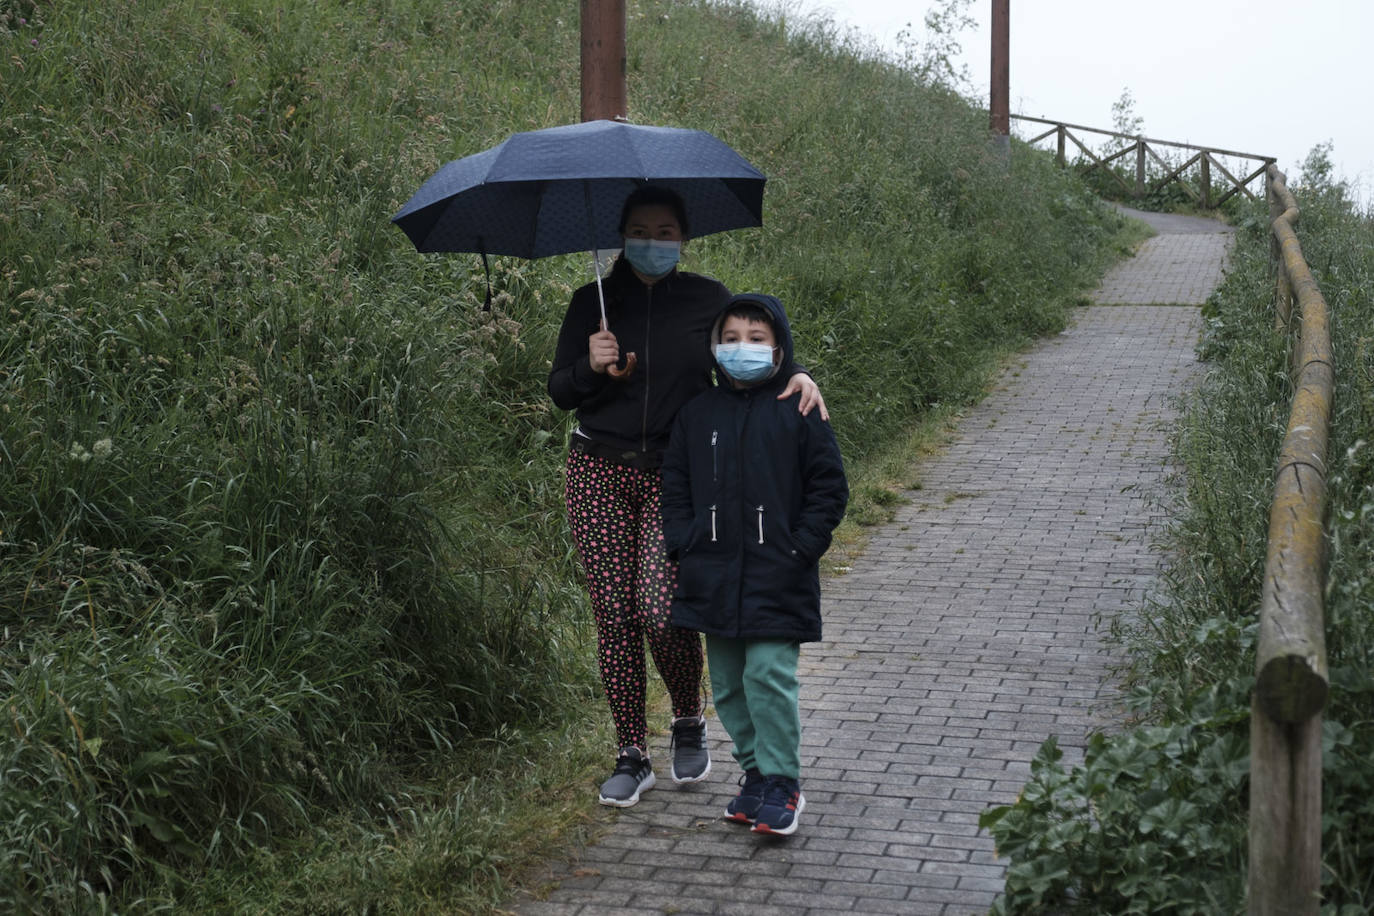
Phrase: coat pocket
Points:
(698, 578)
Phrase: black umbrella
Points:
(560, 189)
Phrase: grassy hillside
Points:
(287, 606)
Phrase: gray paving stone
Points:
(972, 629)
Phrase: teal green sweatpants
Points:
(754, 686)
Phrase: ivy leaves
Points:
(1134, 828)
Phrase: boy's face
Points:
(742, 330)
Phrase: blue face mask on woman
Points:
(745, 362)
(652, 257)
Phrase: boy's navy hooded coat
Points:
(751, 493)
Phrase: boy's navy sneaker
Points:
(691, 759)
(782, 803)
(744, 807)
(632, 775)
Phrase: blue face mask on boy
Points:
(652, 257)
(745, 362)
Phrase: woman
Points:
(661, 317)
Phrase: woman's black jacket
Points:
(665, 325)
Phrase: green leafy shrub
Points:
(1132, 829)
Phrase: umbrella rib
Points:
(539, 196)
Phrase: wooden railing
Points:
(1205, 158)
(1291, 682)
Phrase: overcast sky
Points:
(1256, 76)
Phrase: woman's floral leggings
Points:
(617, 522)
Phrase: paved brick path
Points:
(971, 629)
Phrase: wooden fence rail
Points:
(1291, 681)
(1205, 158)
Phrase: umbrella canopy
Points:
(560, 189)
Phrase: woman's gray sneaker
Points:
(691, 759)
(632, 775)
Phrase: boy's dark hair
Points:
(650, 195)
(750, 311)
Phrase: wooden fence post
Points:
(1206, 181)
(1140, 167)
(604, 93)
(1285, 815)
(999, 98)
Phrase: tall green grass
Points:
(1155, 820)
(287, 606)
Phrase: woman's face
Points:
(653, 221)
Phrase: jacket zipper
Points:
(713, 523)
(760, 511)
(644, 415)
(715, 465)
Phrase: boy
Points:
(752, 490)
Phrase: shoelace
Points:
(689, 734)
(628, 766)
(757, 782)
(778, 792)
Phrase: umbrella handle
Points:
(614, 372)
(617, 372)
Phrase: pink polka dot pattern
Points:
(616, 521)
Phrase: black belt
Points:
(627, 457)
